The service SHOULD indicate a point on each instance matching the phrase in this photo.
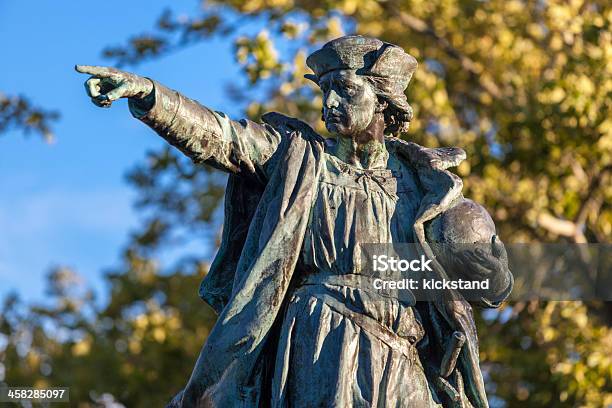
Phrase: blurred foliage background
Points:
(523, 86)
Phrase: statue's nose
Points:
(331, 99)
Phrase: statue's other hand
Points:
(108, 84)
(483, 259)
(490, 262)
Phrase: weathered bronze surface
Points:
(294, 329)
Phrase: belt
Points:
(405, 345)
(372, 326)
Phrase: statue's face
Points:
(349, 102)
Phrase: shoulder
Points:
(440, 158)
(289, 127)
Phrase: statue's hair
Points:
(397, 121)
(398, 112)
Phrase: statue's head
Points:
(360, 77)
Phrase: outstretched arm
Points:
(205, 136)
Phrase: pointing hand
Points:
(108, 84)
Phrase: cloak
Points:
(263, 232)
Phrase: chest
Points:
(359, 205)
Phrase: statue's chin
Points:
(332, 128)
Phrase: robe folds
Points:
(274, 169)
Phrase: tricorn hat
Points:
(389, 66)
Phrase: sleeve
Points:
(240, 147)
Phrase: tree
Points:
(523, 86)
(17, 112)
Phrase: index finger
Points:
(103, 72)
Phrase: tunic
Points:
(343, 345)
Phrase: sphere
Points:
(465, 223)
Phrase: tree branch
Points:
(16, 112)
(590, 198)
(556, 225)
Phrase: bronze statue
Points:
(298, 323)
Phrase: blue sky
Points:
(67, 203)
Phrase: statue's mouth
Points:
(333, 116)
